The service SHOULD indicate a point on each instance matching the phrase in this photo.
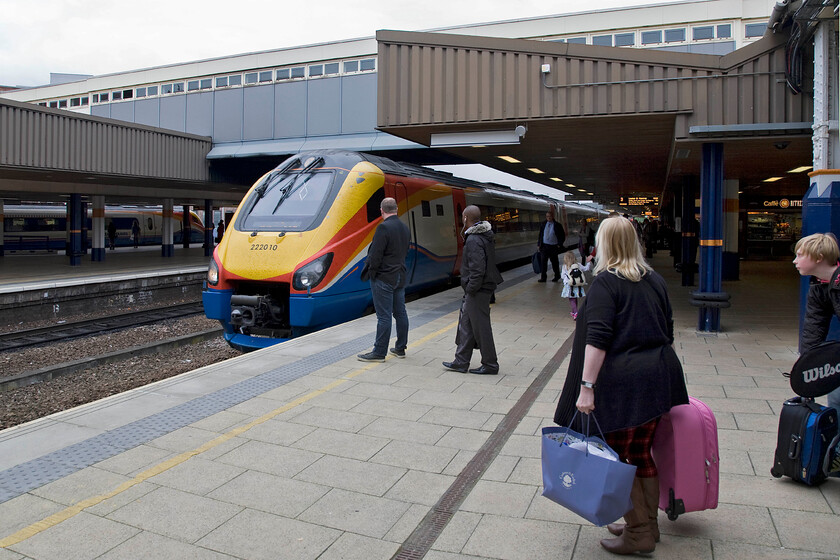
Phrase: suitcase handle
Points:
(794, 448)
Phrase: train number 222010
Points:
(263, 247)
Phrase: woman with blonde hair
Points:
(624, 366)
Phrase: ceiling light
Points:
(801, 169)
(535, 170)
(772, 179)
(591, 194)
(556, 180)
(581, 190)
(571, 185)
(509, 159)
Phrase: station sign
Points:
(638, 200)
(772, 203)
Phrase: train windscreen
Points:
(288, 202)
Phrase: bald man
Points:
(479, 278)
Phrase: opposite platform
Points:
(301, 451)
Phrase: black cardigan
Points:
(641, 378)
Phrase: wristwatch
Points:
(587, 384)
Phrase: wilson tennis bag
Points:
(806, 430)
(817, 371)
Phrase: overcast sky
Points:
(101, 37)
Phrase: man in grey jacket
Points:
(479, 278)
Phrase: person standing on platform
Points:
(623, 366)
(112, 234)
(479, 278)
(550, 242)
(220, 231)
(386, 265)
(135, 233)
(817, 256)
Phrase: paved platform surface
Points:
(20, 271)
(301, 451)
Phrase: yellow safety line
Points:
(71, 511)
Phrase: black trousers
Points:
(549, 253)
(474, 331)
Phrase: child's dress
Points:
(570, 291)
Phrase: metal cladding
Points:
(429, 79)
(39, 138)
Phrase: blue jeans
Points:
(389, 300)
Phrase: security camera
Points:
(781, 145)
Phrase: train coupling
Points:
(254, 311)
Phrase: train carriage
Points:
(290, 259)
(39, 227)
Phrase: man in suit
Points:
(550, 243)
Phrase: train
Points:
(291, 257)
(40, 227)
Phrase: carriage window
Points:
(439, 208)
(150, 223)
(373, 203)
(427, 208)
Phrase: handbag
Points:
(591, 481)
(536, 263)
(817, 371)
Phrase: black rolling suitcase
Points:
(806, 430)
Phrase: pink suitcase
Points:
(685, 450)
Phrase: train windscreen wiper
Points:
(293, 186)
(261, 190)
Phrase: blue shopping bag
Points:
(582, 479)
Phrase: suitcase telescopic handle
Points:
(794, 448)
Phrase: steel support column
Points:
(167, 246)
(186, 230)
(74, 221)
(97, 225)
(208, 227)
(688, 250)
(2, 227)
(711, 232)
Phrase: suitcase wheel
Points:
(775, 473)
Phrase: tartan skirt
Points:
(633, 447)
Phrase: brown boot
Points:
(636, 536)
(651, 490)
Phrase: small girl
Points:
(573, 281)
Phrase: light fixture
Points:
(772, 179)
(801, 169)
(535, 170)
(581, 190)
(556, 180)
(571, 185)
(509, 159)
(483, 137)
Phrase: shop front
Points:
(769, 227)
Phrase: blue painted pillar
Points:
(688, 245)
(711, 232)
(167, 248)
(208, 227)
(820, 214)
(74, 220)
(97, 229)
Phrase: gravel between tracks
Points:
(34, 401)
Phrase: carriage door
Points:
(401, 195)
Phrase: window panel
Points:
(754, 29)
(577, 40)
(116, 95)
(602, 40)
(284, 74)
(625, 39)
(367, 64)
(206, 83)
(75, 102)
(221, 82)
(251, 78)
(166, 88)
(674, 35)
(62, 104)
(235, 80)
(84, 101)
(316, 70)
(192, 85)
(351, 66)
(331, 68)
(705, 32)
(266, 76)
(651, 37)
(298, 72)
(178, 87)
(152, 90)
(724, 31)
(141, 92)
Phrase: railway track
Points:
(67, 331)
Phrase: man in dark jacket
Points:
(386, 263)
(479, 278)
(550, 242)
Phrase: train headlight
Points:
(213, 273)
(311, 274)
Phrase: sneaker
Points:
(397, 352)
(371, 357)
